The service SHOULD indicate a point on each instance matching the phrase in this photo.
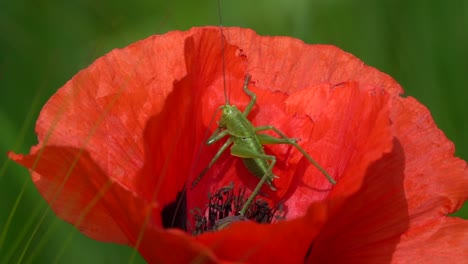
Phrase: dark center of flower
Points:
(223, 209)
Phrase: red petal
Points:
(436, 185)
(78, 191)
(352, 130)
(81, 194)
(368, 225)
(444, 240)
(411, 188)
(436, 182)
(284, 242)
(284, 63)
(111, 101)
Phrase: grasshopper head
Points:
(228, 116)
(229, 113)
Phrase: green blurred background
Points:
(44, 43)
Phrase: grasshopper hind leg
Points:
(251, 165)
(246, 153)
(266, 139)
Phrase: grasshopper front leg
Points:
(253, 97)
(215, 137)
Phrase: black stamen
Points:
(223, 209)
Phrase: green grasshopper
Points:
(247, 143)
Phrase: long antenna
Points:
(222, 51)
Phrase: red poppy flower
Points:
(120, 141)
